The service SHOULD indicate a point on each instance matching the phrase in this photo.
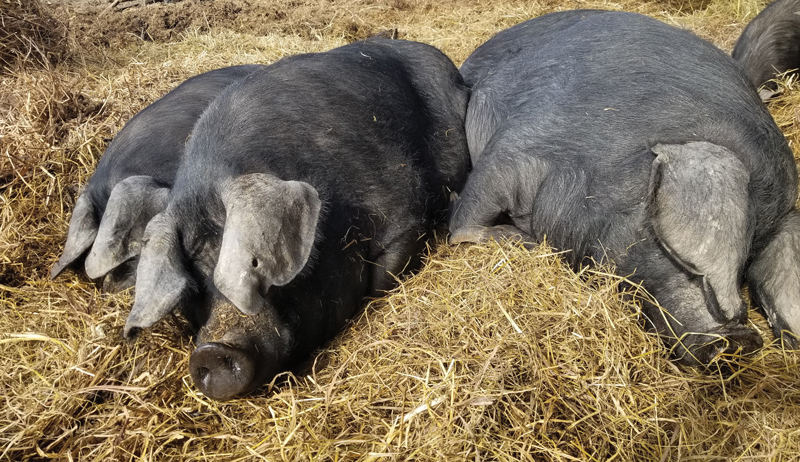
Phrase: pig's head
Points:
(268, 229)
(688, 243)
(692, 262)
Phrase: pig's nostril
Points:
(233, 365)
(202, 373)
(132, 333)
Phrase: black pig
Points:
(132, 180)
(618, 137)
(306, 187)
(770, 44)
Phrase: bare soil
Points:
(94, 22)
(166, 21)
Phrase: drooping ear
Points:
(161, 278)
(270, 227)
(774, 279)
(699, 212)
(81, 234)
(131, 205)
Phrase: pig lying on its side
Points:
(306, 186)
(132, 181)
(619, 137)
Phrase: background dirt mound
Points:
(352, 20)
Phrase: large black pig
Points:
(132, 180)
(619, 137)
(770, 44)
(306, 187)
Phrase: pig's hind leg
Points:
(498, 198)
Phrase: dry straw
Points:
(488, 353)
(29, 34)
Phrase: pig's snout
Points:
(727, 340)
(221, 371)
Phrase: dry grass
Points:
(29, 33)
(539, 364)
(489, 353)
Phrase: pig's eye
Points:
(254, 263)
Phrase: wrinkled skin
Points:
(770, 44)
(306, 187)
(621, 138)
(132, 180)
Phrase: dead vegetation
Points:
(489, 353)
(30, 34)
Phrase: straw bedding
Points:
(30, 34)
(488, 353)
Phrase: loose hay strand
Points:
(488, 353)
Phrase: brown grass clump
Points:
(39, 142)
(488, 353)
(30, 33)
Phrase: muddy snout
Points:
(237, 353)
(222, 371)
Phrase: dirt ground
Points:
(163, 22)
(435, 371)
(93, 23)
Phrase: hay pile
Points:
(30, 33)
(489, 353)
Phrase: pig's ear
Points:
(161, 277)
(133, 202)
(81, 234)
(270, 228)
(699, 212)
(774, 279)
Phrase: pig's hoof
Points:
(703, 349)
(221, 371)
